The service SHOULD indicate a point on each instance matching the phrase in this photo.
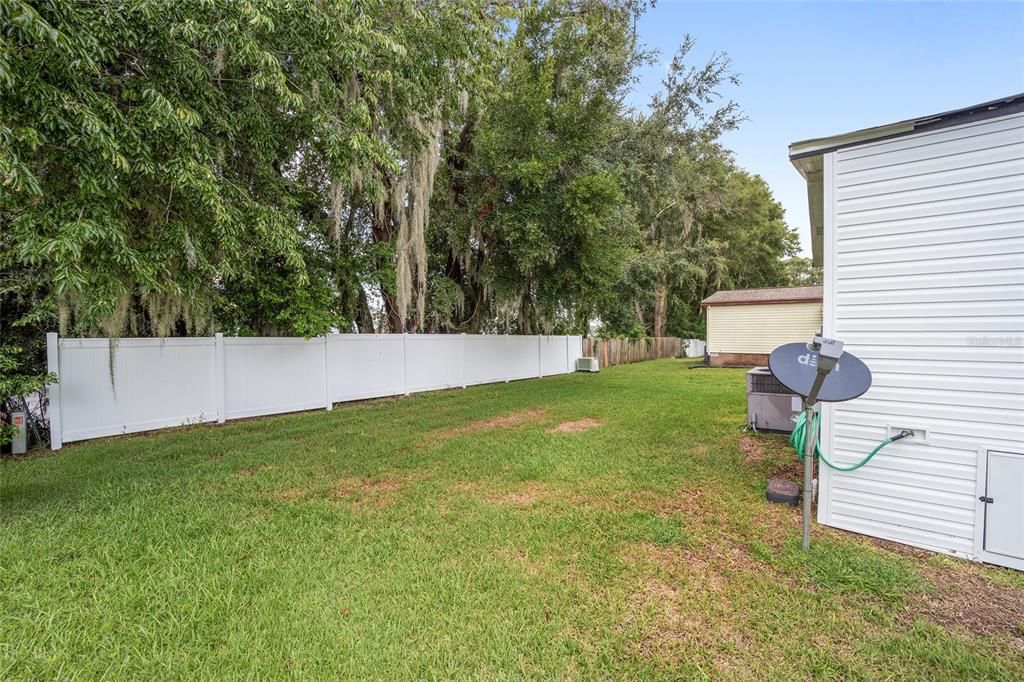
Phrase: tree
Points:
(704, 223)
(285, 168)
(676, 175)
(163, 161)
(802, 272)
(530, 217)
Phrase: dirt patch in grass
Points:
(965, 599)
(962, 597)
(291, 494)
(791, 471)
(696, 504)
(685, 617)
(752, 450)
(360, 491)
(377, 493)
(504, 421)
(249, 472)
(770, 456)
(524, 495)
(519, 558)
(713, 564)
(575, 426)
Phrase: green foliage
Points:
(152, 154)
(704, 224)
(532, 210)
(802, 271)
(16, 381)
(269, 168)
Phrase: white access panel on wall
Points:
(1003, 505)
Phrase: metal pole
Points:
(809, 441)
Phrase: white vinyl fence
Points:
(145, 384)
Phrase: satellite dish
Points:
(796, 366)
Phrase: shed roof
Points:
(762, 296)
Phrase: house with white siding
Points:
(919, 226)
(745, 325)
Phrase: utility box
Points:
(694, 348)
(586, 365)
(19, 442)
(770, 405)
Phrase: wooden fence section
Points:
(624, 351)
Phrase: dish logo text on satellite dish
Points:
(811, 360)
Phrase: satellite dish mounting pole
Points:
(809, 442)
(803, 368)
(827, 353)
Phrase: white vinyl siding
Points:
(924, 251)
(760, 328)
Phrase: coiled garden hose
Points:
(798, 439)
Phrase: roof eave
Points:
(782, 301)
(819, 145)
(810, 167)
(807, 155)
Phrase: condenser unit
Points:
(770, 405)
(586, 364)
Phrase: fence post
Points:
(219, 375)
(328, 403)
(568, 362)
(462, 354)
(405, 362)
(53, 390)
(540, 353)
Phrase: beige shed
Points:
(745, 325)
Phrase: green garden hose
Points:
(798, 439)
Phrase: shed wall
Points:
(760, 328)
(924, 262)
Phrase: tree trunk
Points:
(660, 307)
(381, 228)
(364, 317)
(395, 323)
(639, 313)
(457, 162)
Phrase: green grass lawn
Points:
(460, 535)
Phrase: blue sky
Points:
(815, 69)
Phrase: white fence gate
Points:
(149, 384)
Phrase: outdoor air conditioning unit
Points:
(586, 364)
(770, 405)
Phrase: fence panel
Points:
(432, 362)
(273, 375)
(522, 357)
(143, 384)
(553, 355)
(484, 359)
(147, 384)
(611, 352)
(361, 366)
